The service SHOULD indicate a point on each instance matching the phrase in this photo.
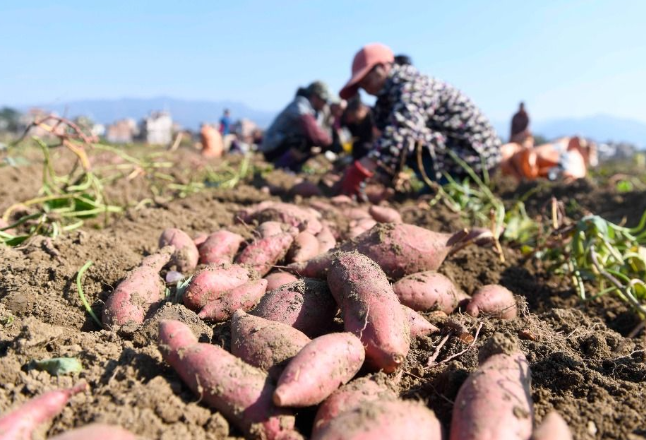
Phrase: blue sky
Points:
(564, 58)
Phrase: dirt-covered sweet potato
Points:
(418, 325)
(265, 344)
(264, 253)
(493, 300)
(495, 401)
(243, 297)
(212, 281)
(306, 305)
(186, 255)
(321, 367)
(292, 215)
(139, 293)
(96, 431)
(358, 227)
(277, 279)
(21, 423)
(383, 214)
(304, 247)
(352, 395)
(389, 419)
(239, 391)
(399, 249)
(553, 427)
(220, 247)
(428, 291)
(270, 228)
(370, 309)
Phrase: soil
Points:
(582, 363)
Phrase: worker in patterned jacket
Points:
(414, 111)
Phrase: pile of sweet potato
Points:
(318, 316)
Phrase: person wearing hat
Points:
(289, 140)
(413, 111)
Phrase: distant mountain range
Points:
(601, 128)
(190, 113)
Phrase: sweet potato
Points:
(553, 427)
(243, 297)
(277, 279)
(239, 391)
(383, 214)
(493, 300)
(306, 305)
(139, 293)
(199, 239)
(186, 255)
(390, 419)
(304, 247)
(306, 189)
(370, 309)
(212, 281)
(20, 423)
(220, 247)
(265, 344)
(399, 249)
(495, 400)
(96, 431)
(287, 213)
(270, 228)
(264, 253)
(418, 325)
(354, 213)
(321, 367)
(326, 240)
(358, 227)
(352, 395)
(428, 291)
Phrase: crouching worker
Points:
(414, 109)
(288, 142)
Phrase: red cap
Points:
(367, 58)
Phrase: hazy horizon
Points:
(563, 58)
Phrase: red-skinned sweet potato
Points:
(241, 392)
(493, 300)
(326, 240)
(418, 325)
(212, 281)
(321, 367)
(428, 291)
(390, 419)
(139, 293)
(495, 401)
(186, 255)
(304, 247)
(96, 431)
(220, 247)
(243, 297)
(265, 344)
(352, 395)
(553, 427)
(263, 254)
(199, 239)
(370, 310)
(358, 227)
(287, 213)
(306, 305)
(277, 279)
(271, 228)
(399, 249)
(23, 421)
(383, 214)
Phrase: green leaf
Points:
(58, 366)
